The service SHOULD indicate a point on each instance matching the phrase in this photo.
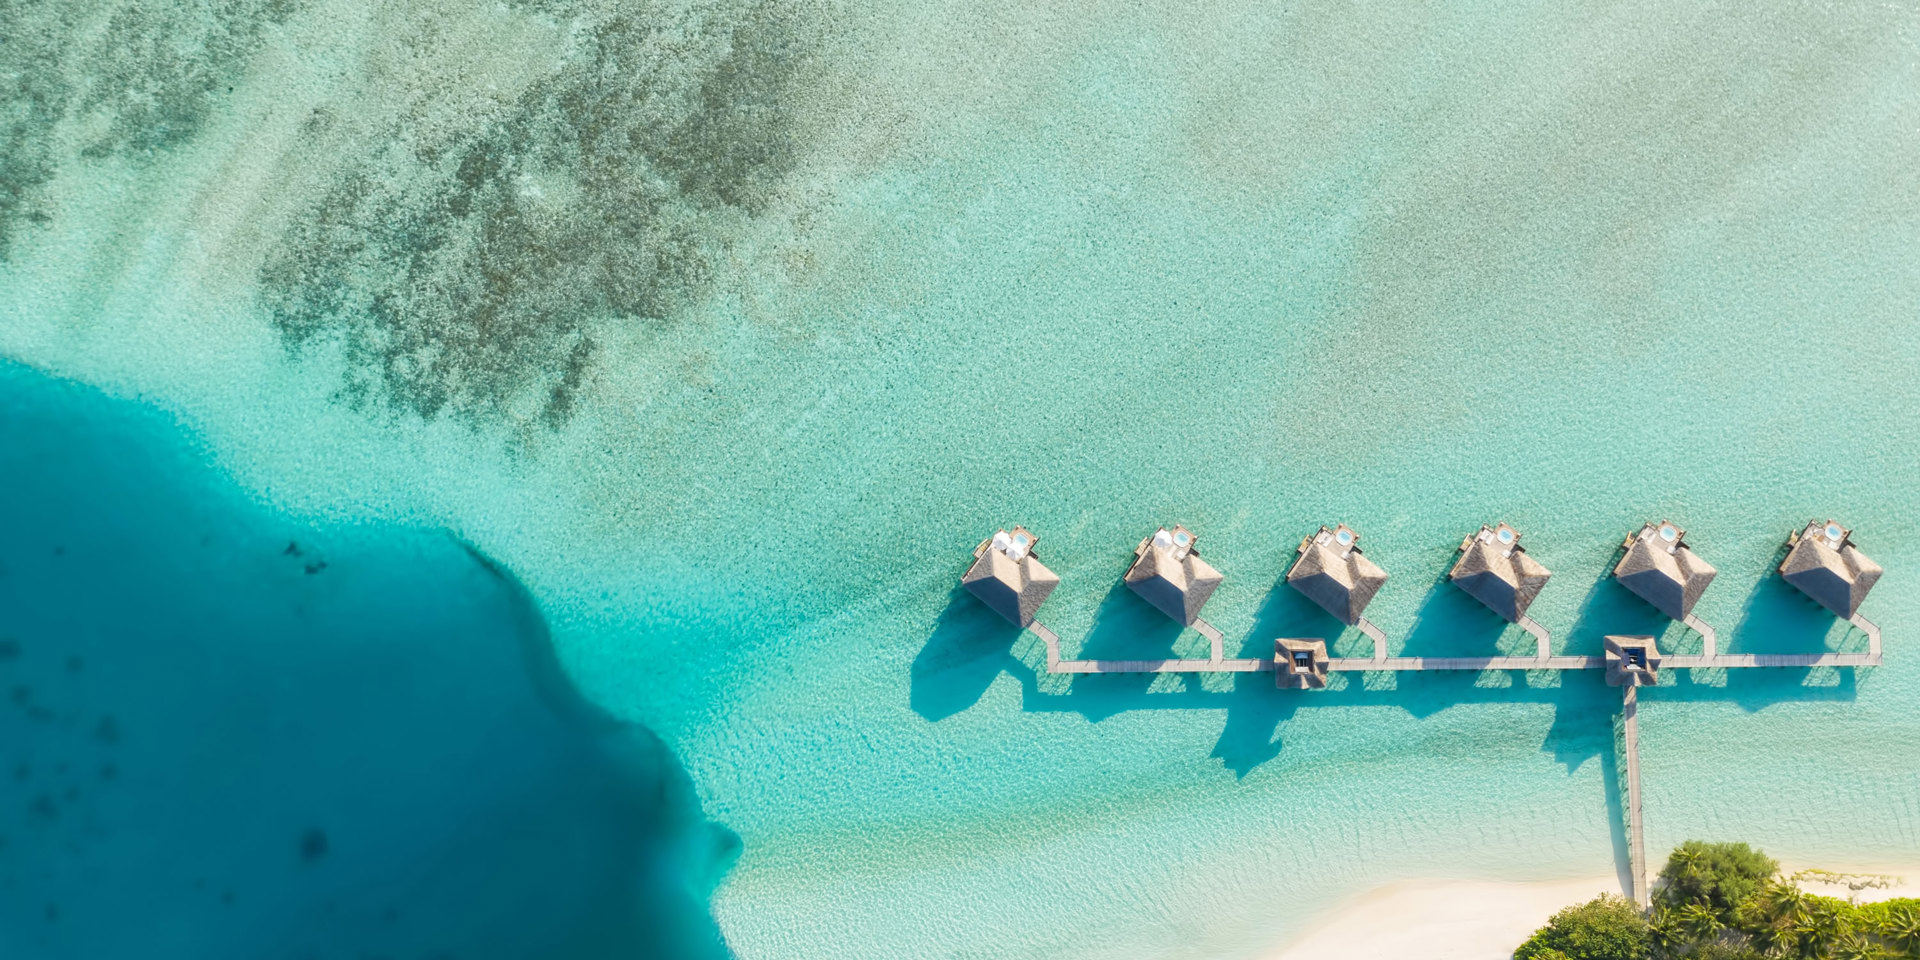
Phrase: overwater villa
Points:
(1167, 572)
(1662, 570)
(1333, 573)
(1007, 577)
(1300, 664)
(1494, 569)
(1823, 562)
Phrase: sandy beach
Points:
(1441, 919)
(1486, 920)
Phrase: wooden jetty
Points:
(1659, 567)
(1631, 663)
(1056, 663)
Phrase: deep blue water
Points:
(227, 732)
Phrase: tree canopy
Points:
(1609, 927)
(1727, 901)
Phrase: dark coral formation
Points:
(111, 79)
(462, 268)
(464, 272)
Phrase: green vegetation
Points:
(1727, 901)
(1609, 927)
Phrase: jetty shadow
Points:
(1612, 609)
(1583, 713)
(1615, 787)
(1125, 627)
(1777, 618)
(1255, 710)
(969, 647)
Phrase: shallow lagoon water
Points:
(1095, 270)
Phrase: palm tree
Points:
(1771, 917)
(1853, 946)
(1819, 930)
(1902, 926)
(1699, 921)
(1670, 936)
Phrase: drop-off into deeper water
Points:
(649, 369)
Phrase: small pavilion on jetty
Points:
(1495, 569)
(1333, 572)
(1661, 569)
(1301, 664)
(1168, 572)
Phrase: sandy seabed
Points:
(1485, 920)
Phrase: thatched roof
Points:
(1825, 565)
(1300, 663)
(1632, 660)
(1663, 570)
(1007, 576)
(1333, 573)
(1167, 572)
(1494, 570)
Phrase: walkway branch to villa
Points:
(1657, 565)
(1493, 568)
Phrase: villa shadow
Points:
(1778, 618)
(1612, 609)
(970, 645)
(1126, 627)
(1287, 612)
(1452, 624)
(1449, 623)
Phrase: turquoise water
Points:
(857, 287)
(230, 732)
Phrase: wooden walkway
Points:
(1218, 662)
(1636, 837)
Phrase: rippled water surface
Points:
(723, 331)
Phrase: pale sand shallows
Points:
(1486, 920)
(1441, 919)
